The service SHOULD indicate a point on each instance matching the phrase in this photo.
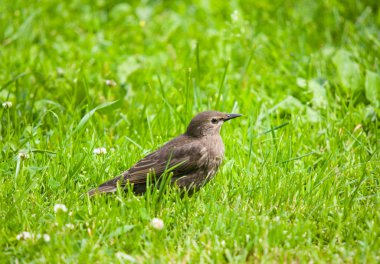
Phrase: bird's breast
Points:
(213, 151)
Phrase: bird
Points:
(192, 158)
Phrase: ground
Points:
(90, 87)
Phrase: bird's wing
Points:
(157, 163)
(178, 160)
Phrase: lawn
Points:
(301, 178)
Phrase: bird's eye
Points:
(214, 121)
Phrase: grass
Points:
(300, 181)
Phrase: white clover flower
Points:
(111, 83)
(23, 155)
(100, 151)
(60, 71)
(7, 105)
(69, 226)
(235, 16)
(24, 236)
(60, 207)
(157, 223)
(46, 238)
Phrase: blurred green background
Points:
(269, 50)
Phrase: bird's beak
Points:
(231, 116)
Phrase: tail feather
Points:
(102, 189)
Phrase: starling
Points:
(192, 158)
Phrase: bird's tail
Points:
(102, 189)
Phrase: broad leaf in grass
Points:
(317, 87)
(348, 71)
(370, 113)
(312, 115)
(372, 88)
(292, 105)
(120, 231)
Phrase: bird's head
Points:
(208, 123)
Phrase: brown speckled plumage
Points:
(193, 158)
